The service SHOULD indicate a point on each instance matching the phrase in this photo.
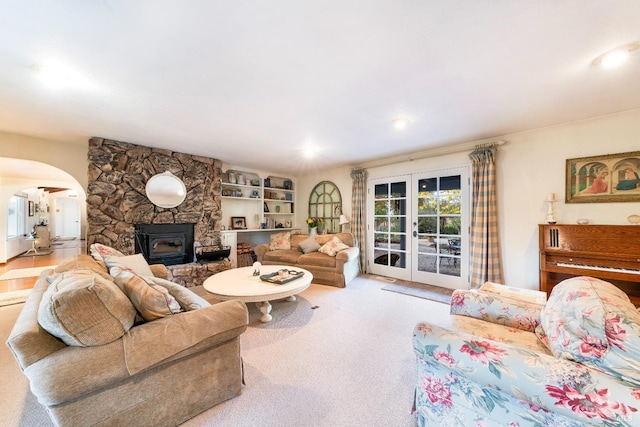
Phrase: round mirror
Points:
(166, 190)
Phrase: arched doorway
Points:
(43, 189)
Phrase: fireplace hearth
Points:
(168, 244)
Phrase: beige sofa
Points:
(327, 270)
(159, 373)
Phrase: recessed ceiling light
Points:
(400, 123)
(309, 153)
(616, 57)
(58, 76)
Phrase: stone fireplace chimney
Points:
(116, 199)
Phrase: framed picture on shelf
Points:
(603, 179)
(238, 223)
(32, 208)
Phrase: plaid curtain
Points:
(486, 263)
(358, 212)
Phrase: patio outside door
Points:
(420, 227)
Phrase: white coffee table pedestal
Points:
(241, 284)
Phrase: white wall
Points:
(530, 165)
(71, 158)
(340, 177)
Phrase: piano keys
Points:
(608, 252)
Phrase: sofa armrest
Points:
(160, 270)
(75, 371)
(348, 254)
(260, 250)
(498, 309)
(556, 385)
(28, 342)
(345, 256)
(154, 342)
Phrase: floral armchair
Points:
(502, 361)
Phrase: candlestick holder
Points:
(551, 216)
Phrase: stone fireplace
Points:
(117, 202)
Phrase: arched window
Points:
(325, 202)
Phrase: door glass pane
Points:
(427, 225)
(439, 224)
(382, 191)
(397, 223)
(390, 224)
(381, 207)
(427, 263)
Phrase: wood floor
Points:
(58, 254)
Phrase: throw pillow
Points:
(593, 322)
(309, 245)
(280, 241)
(187, 299)
(80, 262)
(152, 301)
(83, 309)
(98, 251)
(333, 246)
(135, 263)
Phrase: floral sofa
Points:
(503, 361)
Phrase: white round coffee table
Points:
(241, 284)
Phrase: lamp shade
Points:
(343, 220)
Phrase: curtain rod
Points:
(434, 152)
(490, 144)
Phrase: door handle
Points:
(415, 233)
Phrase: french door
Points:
(419, 227)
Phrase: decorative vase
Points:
(313, 231)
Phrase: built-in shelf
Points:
(269, 201)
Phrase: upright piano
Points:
(608, 252)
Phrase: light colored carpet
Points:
(20, 273)
(348, 362)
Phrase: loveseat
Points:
(331, 258)
(504, 361)
(100, 363)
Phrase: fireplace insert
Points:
(167, 244)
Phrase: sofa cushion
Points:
(280, 241)
(84, 309)
(593, 322)
(98, 251)
(309, 245)
(333, 246)
(135, 263)
(283, 256)
(187, 299)
(80, 262)
(152, 301)
(317, 259)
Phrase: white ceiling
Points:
(255, 82)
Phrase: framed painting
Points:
(603, 179)
(32, 208)
(238, 222)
